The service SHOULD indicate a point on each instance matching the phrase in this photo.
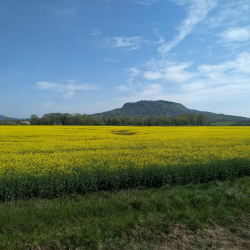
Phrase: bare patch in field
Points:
(123, 132)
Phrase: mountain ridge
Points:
(159, 108)
(11, 118)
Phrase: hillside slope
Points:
(161, 108)
(11, 118)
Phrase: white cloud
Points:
(150, 75)
(196, 13)
(230, 13)
(227, 81)
(125, 41)
(241, 64)
(224, 81)
(131, 43)
(170, 72)
(68, 90)
(236, 34)
(96, 32)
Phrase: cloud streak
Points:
(131, 43)
(67, 90)
(196, 13)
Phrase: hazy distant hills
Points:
(161, 108)
(11, 118)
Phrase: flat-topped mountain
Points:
(161, 108)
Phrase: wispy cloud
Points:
(223, 81)
(230, 13)
(67, 90)
(235, 34)
(195, 80)
(161, 39)
(134, 72)
(172, 73)
(96, 32)
(197, 11)
(207, 82)
(136, 47)
(131, 43)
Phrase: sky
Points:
(89, 56)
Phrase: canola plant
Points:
(48, 161)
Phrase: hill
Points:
(162, 108)
(11, 118)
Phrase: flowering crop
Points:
(65, 159)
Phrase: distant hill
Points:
(162, 108)
(11, 118)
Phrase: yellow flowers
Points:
(42, 150)
(51, 161)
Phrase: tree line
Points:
(78, 119)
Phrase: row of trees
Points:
(152, 120)
(7, 121)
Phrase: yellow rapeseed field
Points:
(42, 150)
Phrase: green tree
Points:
(46, 120)
(201, 120)
(183, 121)
(77, 119)
(105, 121)
(128, 121)
(138, 121)
(98, 122)
(65, 118)
(116, 121)
(151, 120)
(34, 120)
(165, 121)
(6, 121)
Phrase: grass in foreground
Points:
(203, 216)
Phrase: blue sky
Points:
(88, 56)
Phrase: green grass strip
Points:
(212, 215)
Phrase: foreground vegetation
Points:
(49, 162)
(214, 215)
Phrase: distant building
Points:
(26, 123)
